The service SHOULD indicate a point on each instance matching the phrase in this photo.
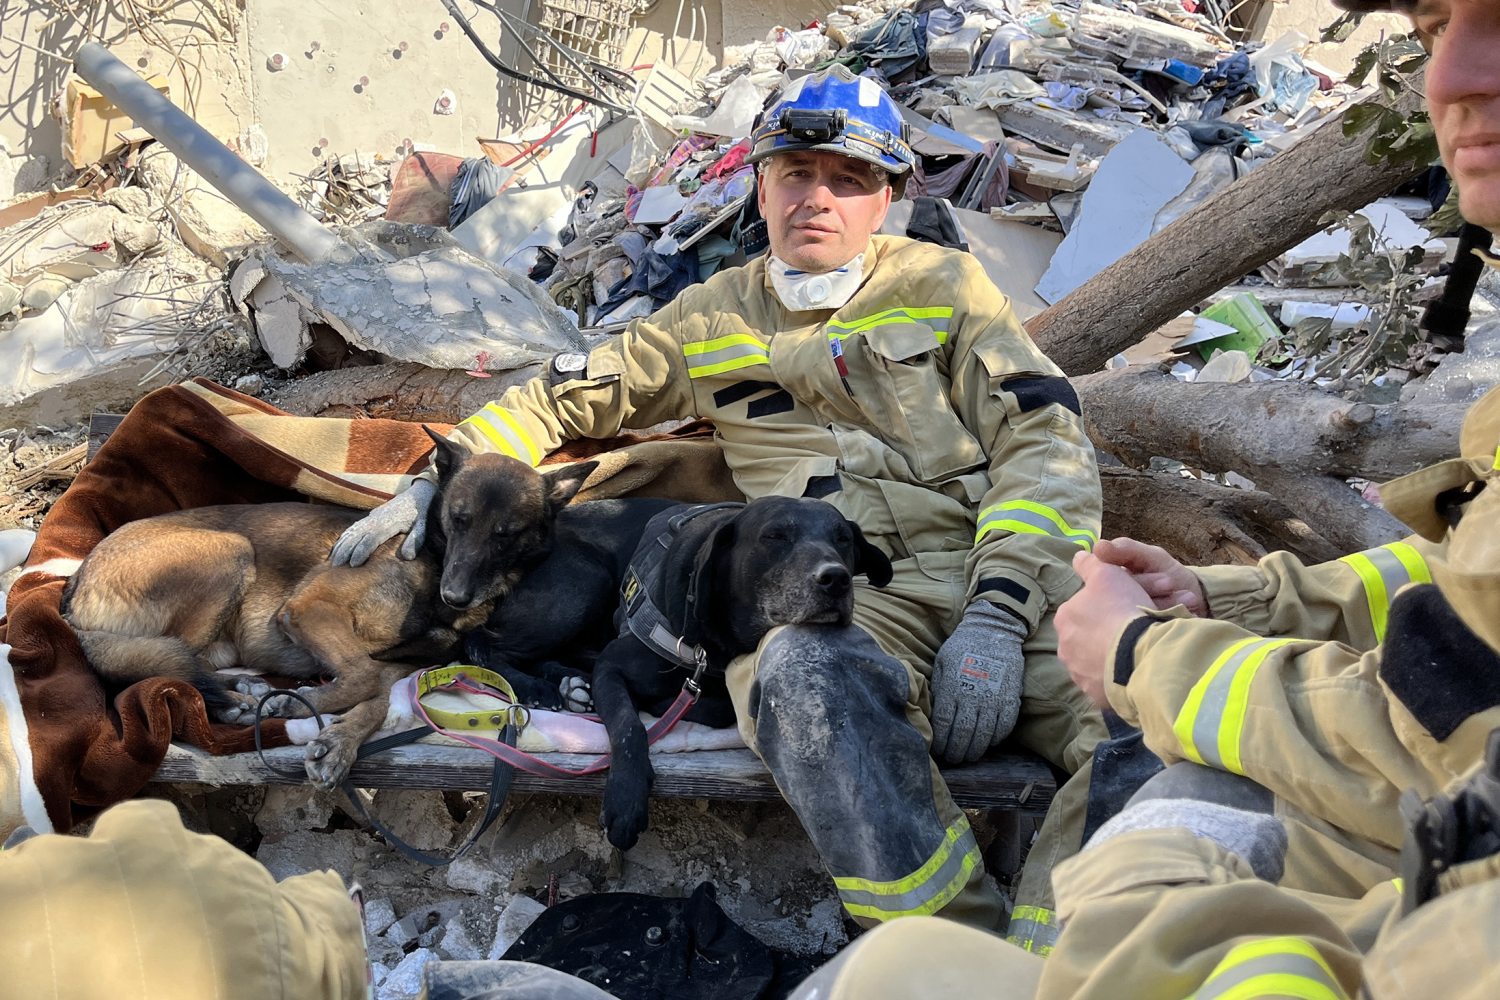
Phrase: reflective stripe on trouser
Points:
(1033, 928)
(838, 715)
(1272, 967)
(1384, 571)
(1059, 723)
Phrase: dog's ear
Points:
(705, 573)
(873, 563)
(447, 456)
(562, 485)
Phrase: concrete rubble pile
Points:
(100, 297)
(1018, 110)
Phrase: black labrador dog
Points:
(545, 633)
(706, 584)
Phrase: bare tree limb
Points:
(1252, 428)
(1203, 523)
(1264, 213)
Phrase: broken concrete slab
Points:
(520, 913)
(417, 816)
(1062, 130)
(379, 915)
(1132, 184)
(405, 980)
(441, 307)
(207, 222)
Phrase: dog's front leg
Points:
(332, 752)
(627, 788)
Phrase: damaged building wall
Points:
(1310, 17)
(197, 54)
(318, 80)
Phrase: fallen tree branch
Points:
(1203, 523)
(1141, 412)
(1266, 212)
(1334, 510)
(397, 392)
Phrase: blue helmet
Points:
(835, 110)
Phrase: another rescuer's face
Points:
(1463, 96)
(821, 208)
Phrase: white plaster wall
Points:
(1311, 16)
(206, 74)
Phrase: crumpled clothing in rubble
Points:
(893, 44)
(575, 293)
(661, 276)
(479, 179)
(951, 181)
(731, 161)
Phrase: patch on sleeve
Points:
(1033, 392)
(1017, 592)
(1439, 670)
(1125, 648)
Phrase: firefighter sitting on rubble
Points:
(1332, 687)
(1176, 895)
(890, 378)
(1355, 680)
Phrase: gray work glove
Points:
(976, 683)
(1257, 837)
(406, 511)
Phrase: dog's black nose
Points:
(833, 579)
(456, 599)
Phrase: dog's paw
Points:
(330, 755)
(286, 707)
(577, 694)
(251, 685)
(240, 711)
(626, 812)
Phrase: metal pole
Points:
(241, 183)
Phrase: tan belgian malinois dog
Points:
(249, 585)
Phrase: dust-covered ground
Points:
(544, 849)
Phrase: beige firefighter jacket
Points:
(921, 409)
(1336, 686)
(1162, 913)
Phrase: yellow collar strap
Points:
(439, 677)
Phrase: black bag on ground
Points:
(652, 948)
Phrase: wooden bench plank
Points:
(1020, 783)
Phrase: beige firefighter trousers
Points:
(909, 619)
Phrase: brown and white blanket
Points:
(66, 749)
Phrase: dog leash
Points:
(501, 777)
(508, 759)
(452, 724)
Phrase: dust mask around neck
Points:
(802, 291)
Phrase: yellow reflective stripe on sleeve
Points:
(505, 432)
(1212, 719)
(1383, 571)
(1031, 518)
(933, 316)
(726, 354)
(1272, 967)
(1497, 459)
(926, 890)
(1033, 928)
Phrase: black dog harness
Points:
(643, 619)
